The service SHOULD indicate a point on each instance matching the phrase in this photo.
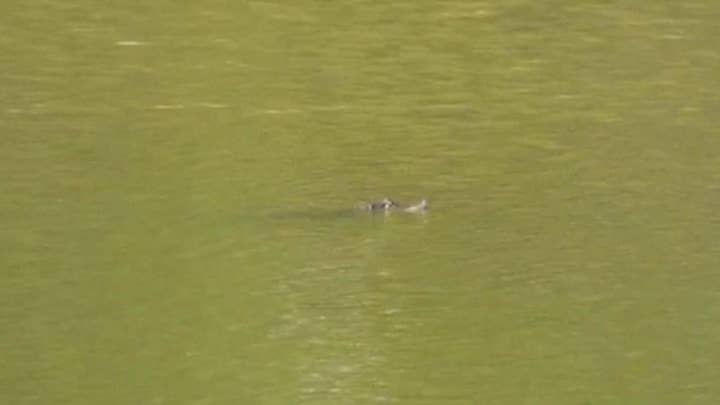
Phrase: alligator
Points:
(387, 205)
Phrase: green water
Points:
(177, 183)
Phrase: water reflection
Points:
(337, 310)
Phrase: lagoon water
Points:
(177, 183)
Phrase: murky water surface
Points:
(177, 184)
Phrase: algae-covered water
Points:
(177, 183)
